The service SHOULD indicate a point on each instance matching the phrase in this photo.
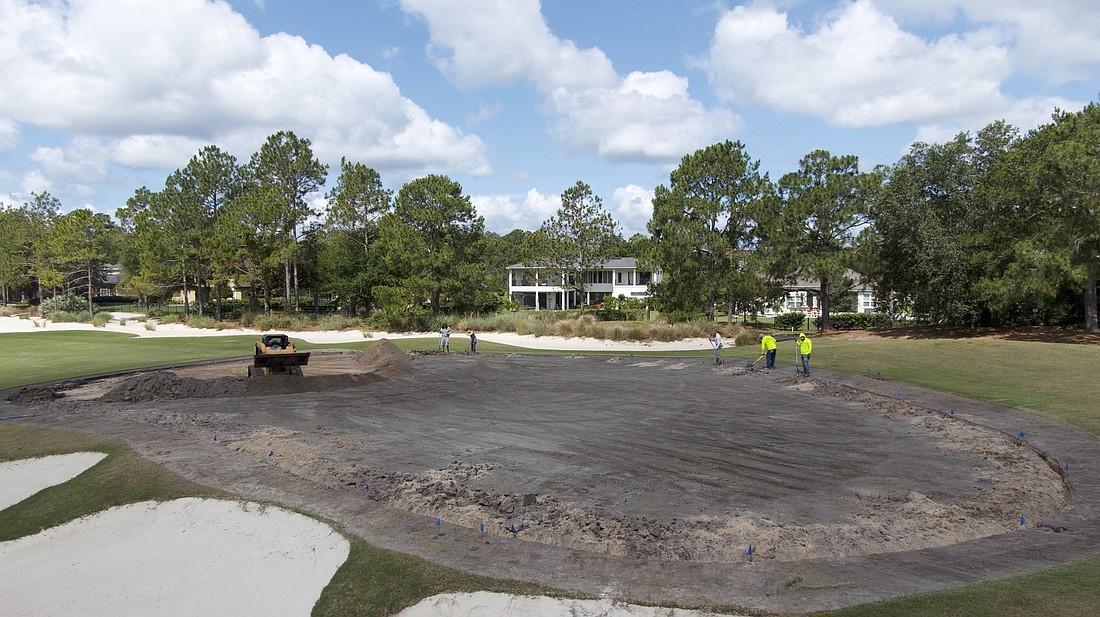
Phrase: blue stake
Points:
(1023, 521)
(1022, 433)
(482, 528)
(437, 522)
(750, 550)
(512, 528)
(1067, 467)
(952, 413)
(271, 453)
(366, 487)
(215, 437)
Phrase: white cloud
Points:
(649, 116)
(646, 116)
(154, 151)
(496, 42)
(502, 214)
(632, 208)
(35, 182)
(858, 69)
(486, 112)
(1055, 40)
(9, 134)
(159, 75)
(1025, 115)
(82, 163)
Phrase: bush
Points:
(857, 321)
(790, 321)
(337, 322)
(100, 320)
(400, 321)
(63, 304)
(71, 317)
(203, 321)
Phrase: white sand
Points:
(21, 479)
(459, 340)
(174, 559)
(482, 603)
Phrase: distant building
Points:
(541, 288)
(805, 296)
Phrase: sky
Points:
(517, 100)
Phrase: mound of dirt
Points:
(386, 360)
(28, 396)
(161, 385)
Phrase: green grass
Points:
(1051, 379)
(121, 478)
(1071, 590)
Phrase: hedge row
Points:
(857, 321)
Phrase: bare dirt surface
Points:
(655, 480)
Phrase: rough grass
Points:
(1071, 590)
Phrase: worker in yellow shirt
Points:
(767, 348)
(804, 348)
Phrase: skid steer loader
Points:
(276, 355)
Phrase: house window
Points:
(618, 278)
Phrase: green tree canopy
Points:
(704, 230)
(579, 238)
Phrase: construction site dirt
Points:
(655, 480)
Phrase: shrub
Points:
(337, 322)
(790, 321)
(273, 322)
(67, 303)
(70, 317)
(100, 320)
(857, 321)
(200, 321)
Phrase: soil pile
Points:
(28, 396)
(386, 360)
(161, 385)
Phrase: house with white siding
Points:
(541, 288)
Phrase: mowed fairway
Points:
(1051, 379)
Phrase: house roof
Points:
(614, 262)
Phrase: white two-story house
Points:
(541, 288)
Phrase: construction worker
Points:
(768, 348)
(804, 348)
(716, 341)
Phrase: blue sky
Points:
(515, 99)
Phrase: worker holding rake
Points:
(768, 349)
(716, 341)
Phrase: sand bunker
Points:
(23, 478)
(183, 557)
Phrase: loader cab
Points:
(276, 342)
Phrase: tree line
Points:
(991, 228)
